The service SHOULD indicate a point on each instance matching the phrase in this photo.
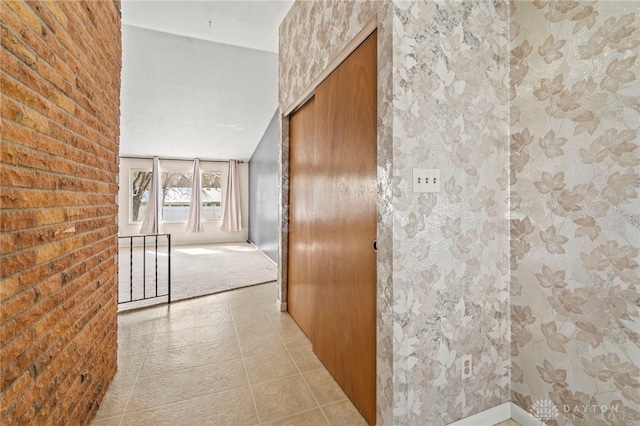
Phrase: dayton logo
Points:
(544, 410)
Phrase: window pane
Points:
(141, 181)
(211, 196)
(176, 196)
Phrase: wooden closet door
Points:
(344, 316)
(301, 273)
(332, 227)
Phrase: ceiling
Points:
(199, 78)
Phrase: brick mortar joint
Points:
(62, 111)
(70, 254)
(52, 65)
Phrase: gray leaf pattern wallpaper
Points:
(574, 209)
(450, 260)
(528, 257)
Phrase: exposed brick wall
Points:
(60, 80)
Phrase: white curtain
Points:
(152, 223)
(231, 217)
(194, 223)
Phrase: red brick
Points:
(13, 131)
(35, 43)
(13, 350)
(50, 216)
(13, 220)
(12, 44)
(28, 97)
(27, 416)
(10, 19)
(12, 307)
(37, 318)
(54, 9)
(53, 76)
(8, 415)
(8, 330)
(26, 14)
(55, 249)
(17, 387)
(59, 153)
(8, 243)
(52, 317)
(18, 177)
(16, 262)
(10, 286)
(39, 236)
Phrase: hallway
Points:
(226, 359)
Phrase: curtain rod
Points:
(142, 157)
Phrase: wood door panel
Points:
(332, 226)
(344, 332)
(301, 215)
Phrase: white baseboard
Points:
(282, 306)
(489, 417)
(497, 414)
(263, 253)
(523, 417)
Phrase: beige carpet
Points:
(196, 270)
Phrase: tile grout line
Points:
(323, 367)
(192, 366)
(189, 369)
(244, 364)
(263, 307)
(304, 380)
(146, 353)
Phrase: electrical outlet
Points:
(426, 180)
(466, 366)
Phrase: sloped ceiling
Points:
(199, 78)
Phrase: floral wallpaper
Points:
(313, 33)
(450, 260)
(528, 257)
(575, 215)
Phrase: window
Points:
(140, 182)
(176, 195)
(211, 196)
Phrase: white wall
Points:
(216, 99)
(212, 232)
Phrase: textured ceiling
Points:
(194, 89)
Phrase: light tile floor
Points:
(509, 422)
(226, 359)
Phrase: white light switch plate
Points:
(426, 180)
